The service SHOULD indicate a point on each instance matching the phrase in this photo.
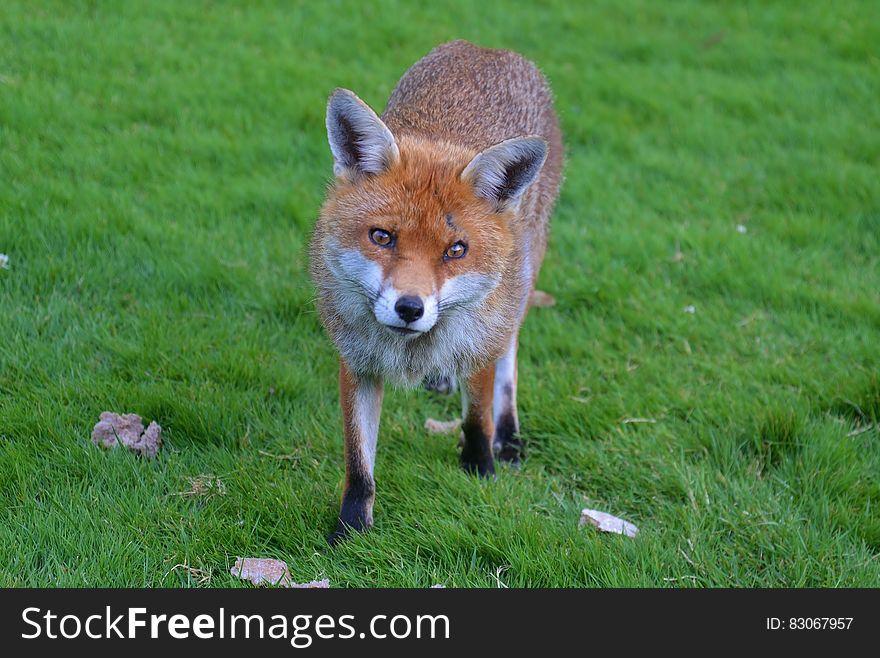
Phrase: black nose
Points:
(409, 308)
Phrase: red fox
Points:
(429, 243)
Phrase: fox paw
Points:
(356, 515)
(344, 531)
(478, 465)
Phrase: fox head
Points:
(414, 231)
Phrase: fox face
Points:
(419, 249)
(418, 254)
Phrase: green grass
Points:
(161, 167)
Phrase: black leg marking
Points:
(507, 445)
(356, 512)
(476, 454)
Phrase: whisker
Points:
(359, 288)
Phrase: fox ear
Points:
(502, 173)
(360, 142)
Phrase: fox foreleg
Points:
(478, 426)
(361, 399)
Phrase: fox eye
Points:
(381, 237)
(456, 250)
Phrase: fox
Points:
(427, 247)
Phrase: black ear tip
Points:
(340, 97)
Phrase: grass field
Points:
(161, 167)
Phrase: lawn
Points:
(715, 257)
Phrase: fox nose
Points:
(409, 308)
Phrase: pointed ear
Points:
(360, 142)
(502, 173)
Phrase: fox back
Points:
(434, 229)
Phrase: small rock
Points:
(607, 523)
(442, 426)
(690, 308)
(262, 571)
(266, 571)
(127, 429)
